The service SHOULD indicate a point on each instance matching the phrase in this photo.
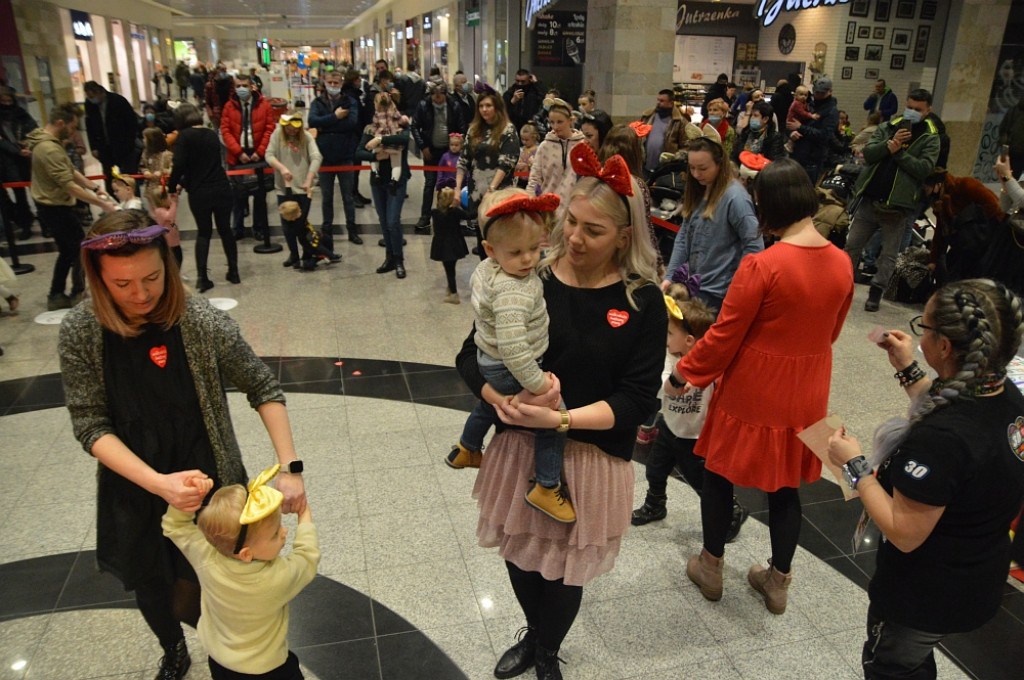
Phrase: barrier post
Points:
(12, 247)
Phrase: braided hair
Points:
(984, 322)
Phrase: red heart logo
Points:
(159, 355)
(617, 317)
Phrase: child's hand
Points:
(816, 116)
(200, 483)
(514, 401)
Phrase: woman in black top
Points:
(950, 480)
(606, 346)
(198, 169)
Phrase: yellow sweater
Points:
(244, 620)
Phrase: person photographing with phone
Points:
(523, 100)
(900, 156)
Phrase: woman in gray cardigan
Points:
(145, 366)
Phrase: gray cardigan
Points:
(217, 355)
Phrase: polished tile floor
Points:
(403, 590)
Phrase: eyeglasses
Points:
(119, 239)
(918, 328)
(294, 122)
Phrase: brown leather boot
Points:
(461, 457)
(706, 571)
(773, 586)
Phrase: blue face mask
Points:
(714, 120)
(467, 88)
(242, 92)
(913, 116)
(150, 117)
(755, 123)
(92, 100)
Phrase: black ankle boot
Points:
(203, 282)
(519, 657)
(400, 268)
(175, 663)
(388, 266)
(547, 664)
(233, 276)
(652, 510)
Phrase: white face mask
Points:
(333, 91)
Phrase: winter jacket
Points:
(231, 126)
(888, 105)
(336, 138)
(15, 125)
(412, 89)
(960, 192)
(521, 113)
(773, 144)
(552, 170)
(423, 122)
(51, 169)
(913, 163)
(812, 148)
(114, 136)
(679, 131)
(399, 141)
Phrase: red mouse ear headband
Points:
(641, 129)
(545, 203)
(615, 172)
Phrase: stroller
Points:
(666, 184)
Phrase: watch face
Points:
(295, 467)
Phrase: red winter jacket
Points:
(231, 126)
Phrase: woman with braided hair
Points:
(950, 478)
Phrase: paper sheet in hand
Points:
(816, 438)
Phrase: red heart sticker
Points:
(159, 355)
(617, 317)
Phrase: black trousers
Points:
(208, 206)
(62, 222)
(670, 451)
(429, 180)
(289, 670)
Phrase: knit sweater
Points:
(511, 321)
(217, 356)
(301, 160)
(552, 171)
(244, 625)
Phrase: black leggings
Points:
(206, 207)
(449, 273)
(550, 606)
(165, 606)
(784, 516)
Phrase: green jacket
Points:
(913, 164)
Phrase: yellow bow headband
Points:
(673, 311)
(262, 502)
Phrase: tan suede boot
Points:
(461, 457)
(706, 571)
(554, 503)
(773, 586)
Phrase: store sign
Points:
(81, 25)
(472, 17)
(533, 8)
(768, 10)
(713, 14)
(561, 38)
(427, 24)
(135, 32)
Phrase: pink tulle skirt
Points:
(601, 489)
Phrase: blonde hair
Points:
(637, 261)
(694, 192)
(219, 521)
(157, 196)
(125, 180)
(530, 127)
(171, 306)
(445, 198)
(383, 100)
(504, 226)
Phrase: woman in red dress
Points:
(771, 353)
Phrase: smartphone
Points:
(1004, 153)
(906, 124)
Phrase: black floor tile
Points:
(1014, 604)
(816, 542)
(461, 402)
(387, 622)
(327, 611)
(444, 383)
(334, 386)
(754, 500)
(819, 491)
(34, 585)
(848, 568)
(866, 561)
(993, 652)
(87, 586)
(391, 387)
(412, 656)
(413, 367)
(342, 660)
(836, 519)
(44, 390)
(309, 369)
(369, 367)
(10, 390)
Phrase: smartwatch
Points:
(294, 467)
(855, 470)
(674, 382)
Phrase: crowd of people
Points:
(574, 302)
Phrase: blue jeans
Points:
(895, 652)
(389, 212)
(548, 446)
(347, 183)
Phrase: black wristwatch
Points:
(294, 467)
(675, 383)
(855, 470)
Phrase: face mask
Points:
(242, 92)
(714, 120)
(913, 116)
(755, 123)
(466, 88)
(150, 117)
(334, 91)
(92, 100)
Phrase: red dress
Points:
(771, 350)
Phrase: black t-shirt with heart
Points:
(968, 458)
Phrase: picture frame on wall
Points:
(847, 73)
(921, 43)
(906, 9)
(901, 39)
(897, 62)
(871, 74)
(873, 53)
(928, 9)
(851, 31)
(864, 32)
(882, 10)
(852, 54)
(860, 8)
(878, 33)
